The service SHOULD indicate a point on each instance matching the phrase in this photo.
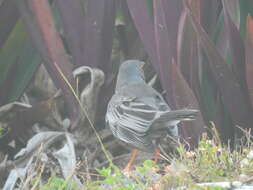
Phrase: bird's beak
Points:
(142, 71)
(142, 67)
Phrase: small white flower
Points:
(250, 155)
(243, 176)
(244, 162)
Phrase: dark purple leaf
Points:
(236, 46)
(98, 39)
(188, 52)
(73, 25)
(234, 99)
(190, 62)
(164, 51)
(130, 43)
(144, 25)
(107, 39)
(179, 94)
(191, 131)
(209, 12)
(223, 122)
(39, 21)
(172, 11)
(8, 18)
(99, 27)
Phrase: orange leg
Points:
(157, 154)
(129, 165)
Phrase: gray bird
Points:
(137, 114)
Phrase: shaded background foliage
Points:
(201, 51)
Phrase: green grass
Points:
(3, 131)
(210, 162)
(55, 183)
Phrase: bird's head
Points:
(130, 71)
(132, 67)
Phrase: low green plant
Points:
(114, 179)
(56, 183)
(3, 131)
(211, 161)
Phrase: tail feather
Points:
(178, 115)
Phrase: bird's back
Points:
(145, 94)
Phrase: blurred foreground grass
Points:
(210, 162)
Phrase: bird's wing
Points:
(132, 114)
(129, 136)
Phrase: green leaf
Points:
(19, 61)
(149, 163)
(150, 7)
(105, 172)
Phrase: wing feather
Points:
(131, 119)
(135, 115)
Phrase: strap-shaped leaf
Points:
(234, 99)
(38, 19)
(72, 19)
(19, 61)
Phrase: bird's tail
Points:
(178, 115)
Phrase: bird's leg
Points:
(129, 165)
(157, 154)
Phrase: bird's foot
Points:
(155, 187)
(157, 155)
(127, 170)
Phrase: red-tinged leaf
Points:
(249, 56)
(221, 38)
(246, 8)
(191, 131)
(130, 43)
(39, 21)
(108, 32)
(144, 25)
(190, 62)
(234, 99)
(72, 19)
(164, 51)
(98, 38)
(236, 46)
(188, 53)
(172, 11)
(8, 18)
(99, 27)
(250, 28)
